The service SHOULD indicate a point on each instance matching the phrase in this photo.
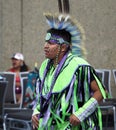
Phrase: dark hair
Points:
(62, 33)
(24, 67)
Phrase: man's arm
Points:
(89, 107)
(36, 108)
(97, 93)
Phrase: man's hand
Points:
(35, 121)
(74, 120)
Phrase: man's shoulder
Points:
(45, 61)
(79, 60)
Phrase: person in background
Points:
(18, 65)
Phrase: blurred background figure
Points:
(18, 65)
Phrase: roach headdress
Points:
(63, 21)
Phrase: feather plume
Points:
(73, 27)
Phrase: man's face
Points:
(51, 50)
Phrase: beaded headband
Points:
(55, 39)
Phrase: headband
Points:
(55, 39)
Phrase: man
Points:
(69, 90)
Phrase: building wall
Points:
(23, 28)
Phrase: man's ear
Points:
(63, 47)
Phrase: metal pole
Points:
(22, 26)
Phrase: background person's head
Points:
(18, 62)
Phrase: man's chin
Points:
(48, 57)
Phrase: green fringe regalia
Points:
(63, 90)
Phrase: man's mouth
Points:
(46, 52)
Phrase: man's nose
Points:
(46, 44)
